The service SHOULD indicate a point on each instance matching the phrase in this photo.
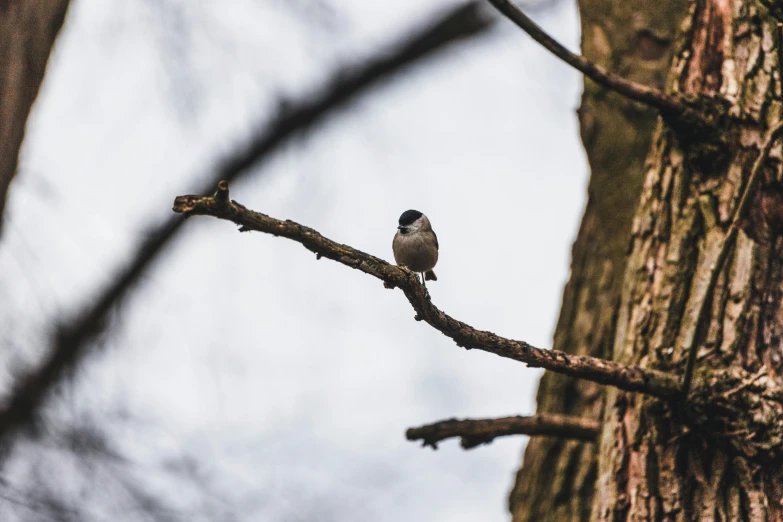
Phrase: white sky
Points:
(289, 382)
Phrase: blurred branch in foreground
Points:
(74, 335)
(475, 432)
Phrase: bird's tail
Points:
(430, 276)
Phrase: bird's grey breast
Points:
(418, 251)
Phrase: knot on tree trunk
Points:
(741, 409)
(707, 145)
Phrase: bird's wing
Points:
(436, 239)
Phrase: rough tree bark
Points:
(633, 38)
(28, 29)
(659, 460)
(662, 461)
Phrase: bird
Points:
(415, 245)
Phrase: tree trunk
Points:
(27, 32)
(634, 38)
(700, 459)
(684, 461)
(680, 461)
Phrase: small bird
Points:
(415, 245)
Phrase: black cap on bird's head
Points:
(409, 216)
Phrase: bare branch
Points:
(456, 25)
(669, 105)
(475, 432)
(703, 292)
(630, 378)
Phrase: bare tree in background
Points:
(663, 398)
(28, 29)
(85, 442)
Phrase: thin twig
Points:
(755, 174)
(727, 244)
(68, 348)
(669, 105)
(474, 432)
(779, 39)
(630, 378)
(745, 384)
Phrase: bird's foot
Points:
(419, 279)
(424, 284)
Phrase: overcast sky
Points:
(285, 385)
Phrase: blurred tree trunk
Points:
(657, 213)
(27, 32)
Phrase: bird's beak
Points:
(400, 227)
